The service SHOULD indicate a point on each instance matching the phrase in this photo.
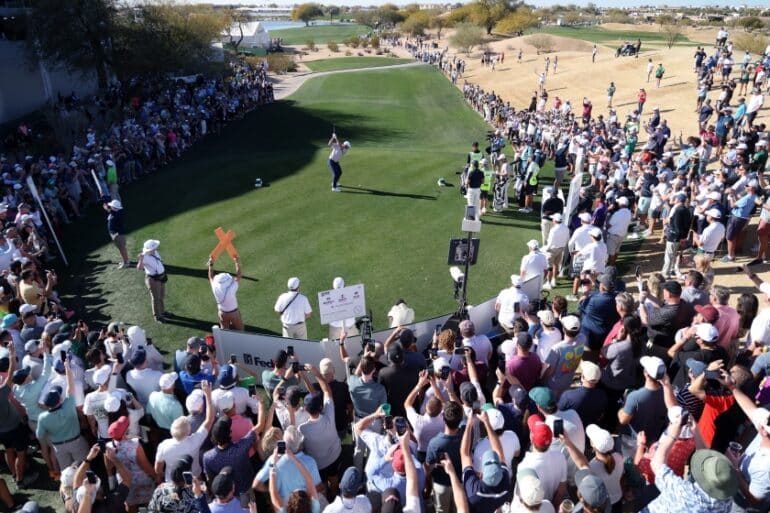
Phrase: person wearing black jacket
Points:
(117, 230)
(676, 230)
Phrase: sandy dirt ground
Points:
(577, 76)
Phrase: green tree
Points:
(416, 23)
(486, 13)
(332, 11)
(306, 12)
(75, 33)
(518, 21)
(163, 37)
(439, 22)
(390, 15)
(466, 36)
(460, 14)
(671, 33)
(750, 23)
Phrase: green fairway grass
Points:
(611, 38)
(353, 63)
(389, 229)
(319, 33)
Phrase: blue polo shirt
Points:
(743, 206)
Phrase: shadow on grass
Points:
(375, 192)
(197, 273)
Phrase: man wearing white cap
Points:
(347, 325)
(534, 265)
(595, 254)
(224, 286)
(155, 277)
(510, 303)
(698, 342)
(581, 238)
(93, 406)
(294, 310)
(558, 238)
(163, 406)
(712, 235)
(117, 230)
(617, 229)
(645, 408)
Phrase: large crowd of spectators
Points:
(651, 397)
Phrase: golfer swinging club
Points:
(338, 150)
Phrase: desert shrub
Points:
(332, 46)
(281, 63)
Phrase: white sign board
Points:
(340, 304)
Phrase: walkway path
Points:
(285, 85)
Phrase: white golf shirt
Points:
(295, 312)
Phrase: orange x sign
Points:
(225, 244)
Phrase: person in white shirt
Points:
(400, 314)
(510, 303)
(558, 238)
(712, 235)
(154, 277)
(755, 103)
(93, 405)
(617, 229)
(142, 379)
(294, 309)
(228, 375)
(336, 328)
(225, 288)
(480, 343)
(429, 424)
(534, 265)
(530, 495)
(508, 439)
(595, 254)
(338, 151)
(184, 442)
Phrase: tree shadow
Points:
(375, 192)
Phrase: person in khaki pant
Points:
(154, 277)
(294, 309)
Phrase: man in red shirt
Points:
(641, 98)
(716, 397)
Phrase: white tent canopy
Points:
(254, 35)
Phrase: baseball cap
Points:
(596, 233)
(496, 419)
(524, 339)
(226, 401)
(351, 481)
(556, 218)
(398, 463)
(546, 317)
(696, 366)
(167, 380)
(570, 323)
(468, 393)
(314, 403)
(338, 282)
(585, 217)
(396, 353)
(31, 346)
(139, 356)
(592, 489)
(600, 439)
(195, 401)
(539, 432)
(714, 474)
(516, 280)
(117, 429)
(102, 374)
(20, 375)
(293, 283)
(27, 309)
(531, 491)
(714, 212)
(227, 377)
(112, 403)
(533, 244)
(9, 320)
(709, 313)
(653, 365)
(591, 371)
(542, 396)
(223, 483)
(707, 332)
(53, 397)
(492, 469)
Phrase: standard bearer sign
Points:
(344, 303)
